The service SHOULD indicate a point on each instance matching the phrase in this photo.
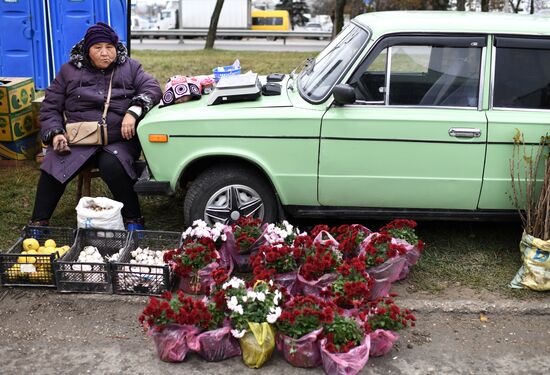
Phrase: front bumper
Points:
(145, 185)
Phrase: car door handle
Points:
(465, 132)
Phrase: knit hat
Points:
(99, 33)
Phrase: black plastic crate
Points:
(74, 276)
(135, 278)
(17, 269)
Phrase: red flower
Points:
(247, 231)
(304, 314)
(192, 256)
(320, 260)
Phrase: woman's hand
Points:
(128, 128)
(60, 144)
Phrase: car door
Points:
(416, 136)
(520, 101)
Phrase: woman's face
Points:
(102, 55)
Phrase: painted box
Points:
(16, 93)
(17, 125)
(21, 149)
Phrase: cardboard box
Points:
(36, 105)
(16, 93)
(17, 125)
(22, 149)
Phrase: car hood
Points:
(198, 109)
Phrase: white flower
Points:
(251, 294)
(271, 282)
(277, 297)
(232, 303)
(260, 296)
(199, 223)
(238, 334)
(235, 282)
(244, 299)
(239, 309)
(274, 315)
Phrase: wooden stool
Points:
(84, 182)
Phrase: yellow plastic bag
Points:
(258, 344)
(535, 271)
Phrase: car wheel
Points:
(224, 194)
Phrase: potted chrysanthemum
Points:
(299, 328)
(403, 232)
(383, 319)
(252, 312)
(344, 347)
(174, 321)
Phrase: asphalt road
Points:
(256, 44)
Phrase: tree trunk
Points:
(484, 5)
(461, 5)
(338, 17)
(532, 11)
(211, 38)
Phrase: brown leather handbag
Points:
(90, 133)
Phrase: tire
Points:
(230, 192)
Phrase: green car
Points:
(402, 114)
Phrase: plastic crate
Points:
(17, 269)
(135, 278)
(74, 276)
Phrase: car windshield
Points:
(321, 74)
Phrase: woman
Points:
(78, 93)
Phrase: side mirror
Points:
(343, 94)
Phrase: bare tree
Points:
(461, 5)
(515, 6)
(484, 5)
(338, 17)
(211, 38)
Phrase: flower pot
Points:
(381, 342)
(218, 344)
(349, 363)
(258, 344)
(303, 352)
(174, 341)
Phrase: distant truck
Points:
(196, 14)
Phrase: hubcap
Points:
(231, 202)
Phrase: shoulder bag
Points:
(90, 133)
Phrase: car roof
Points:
(448, 21)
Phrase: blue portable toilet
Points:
(69, 20)
(115, 13)
(23, 40)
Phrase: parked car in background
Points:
(314, 26)
(402, 114)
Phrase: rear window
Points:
(522, 73)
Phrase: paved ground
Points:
(43, 332)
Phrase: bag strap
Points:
(108, 101)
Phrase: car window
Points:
(522, 73)
(320, 75)
(416, 74)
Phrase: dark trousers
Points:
(50, 190)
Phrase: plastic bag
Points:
(313, 287)
(199, 282)
(390, 269)
(380, 288)
(218, 344)
(411, 257)
(174, 341)
(258, 344)
(381, 342)
(241, 262)
(287, 280)
(325, 238)
(99, 213)
(349, 363)
(535, 271)
(302, 352)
